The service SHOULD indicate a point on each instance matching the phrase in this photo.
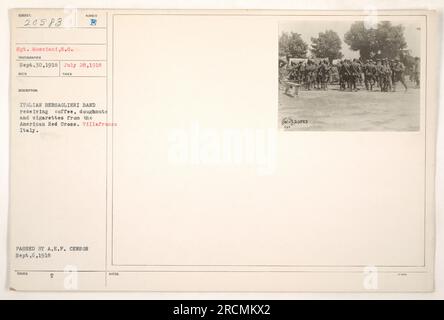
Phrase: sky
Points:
(309, 29)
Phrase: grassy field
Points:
(336, 110)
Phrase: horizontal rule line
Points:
(29, 59)
(210, 271)
(58, 28)
(60, 43)
(265, 265)
(61, 76)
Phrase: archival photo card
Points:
(222, 151)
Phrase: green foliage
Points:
(327, 45)
(385, 40)
(291, 44)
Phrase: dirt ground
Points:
(335, 110)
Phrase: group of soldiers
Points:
(348, 73)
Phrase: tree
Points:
(386, 40)
(327, 45)
(390, 39)
(362, 39)
(291, 44)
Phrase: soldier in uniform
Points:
(355, 74)
(292, 70)
(301, 72)
(361, 70)
(389, 76)
(321, 74)
(298, 72)
(392, 78)
(309, 68)
(341, 72)
(369, 74)
(386, 76)
(316, 75)
(333, 74)
(348, 74)
(398, 74)
(365, 68)
(327, 74)
(379, 74)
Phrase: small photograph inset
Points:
(349, 76)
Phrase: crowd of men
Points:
(380, 74)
